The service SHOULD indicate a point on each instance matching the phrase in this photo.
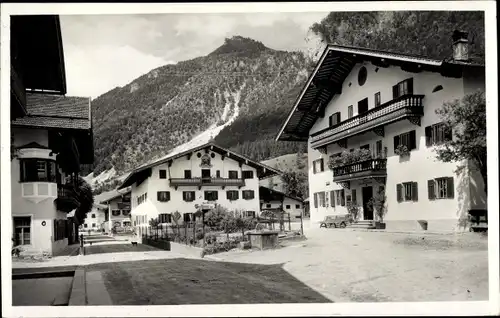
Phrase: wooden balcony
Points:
(199, 182)
(373, 168)
(66, 198)
(405, 107)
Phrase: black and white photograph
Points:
(249, 159)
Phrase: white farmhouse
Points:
(376, 100)
(195, 179)
(277, 201)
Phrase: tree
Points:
(295, 183)
(466, 119)
(85, 197)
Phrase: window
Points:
(318, 166)
(437, 134)
(22, 230)
(125, 212)
(217, 174)
(407, 191)
(232, 174)
(316, 200)
(332, 199)
(115, 212)
(408, 139)
(60, 229)
(350, 112)
(362, 106)
(165, 218)
(142, 198)
(441, 188)
(297, 206)
(287, 207)
(188, 217)
(378, 149)
(437, 88)
(340, 197)
(163, 174)
(402, 88)
(377, 99)
(248, 194)
(322, 199)
(232, 195)
(250, 214)
(247, 174)
(93, 215)
(205, 173)
(188, 196)
(93, 224)
(268, 205)
(33, 170)
(334, 119)
(354, 199)
(163, 196)
(211, 195)
(187, 174)
(126, 223)
(85, 225)
(362, 76)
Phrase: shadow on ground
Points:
(118, 248)
(192, 281)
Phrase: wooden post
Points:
(301, 226)
(194, 232)
(186, 232)
(289, 223)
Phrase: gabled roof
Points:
(144, 171)
(271, 192)
(334, 66)
(55, 111)
(33, 145)
(107, 196)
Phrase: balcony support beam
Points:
(345, 184)
(322, 150)
(379, 180)
(414, 120)
(342, 143)
(379, 131)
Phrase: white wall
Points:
(98, 220)
(421, 165)
(294, 211)
(154, 184)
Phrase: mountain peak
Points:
(239, 44)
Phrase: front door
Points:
(367, 194)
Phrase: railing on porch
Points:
(368, 165)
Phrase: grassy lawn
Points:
(118, 248)
(191, 281)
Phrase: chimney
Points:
(460, 46)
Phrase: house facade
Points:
(277, 201)
(381, 106)
(51, 136)
(117, 210)
(195, 180)
(96, 219)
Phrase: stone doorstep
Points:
(78, 294)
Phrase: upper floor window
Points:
(318, 165)
(248, 194)
(187, 174)
(233, 174)
(334, 119)
(297, 206)
(363, 73)
(163, 196)
(437, 88)
(287, 207)
(217, 174)
(350, 111)
(407, 139)
(247, 174)
(377, 99)
(93, 215)
(188, 196)
(33, 170)
(115, 212)
(362, 106)
(402, 88)
(163, 174)
(232, 195)
(437, 134)
(211, 195)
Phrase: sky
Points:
(102, 52)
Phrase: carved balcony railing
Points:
(405, 107)
(199, 182)
(360, 170)
(66, 198)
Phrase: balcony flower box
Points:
(349, 157)
(402, 151)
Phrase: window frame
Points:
(163, 196)
(437, 134)
(232, 174)
(405, 87)
(248, 194)
(232, 195)
(162, 174)
(247, 174)
(186, 197)
(208, 193)
(51, 170)
(22, 228)
(377, 100)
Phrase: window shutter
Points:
(228, 195)
(342, 197)
(316, 200)
(399, 192)
(431, 189)
(414, 191)
(322, 165)
(158, 196)
(396, 142)
(338, 117)
(353, 196)
(395, 91)
(314, 166)
(410, 85)
(413, 140)
(330, 120)
(450, 189)
(332, 198)
(428, 136)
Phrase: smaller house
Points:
(277, 201)
(96, 218)
(117, 213)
